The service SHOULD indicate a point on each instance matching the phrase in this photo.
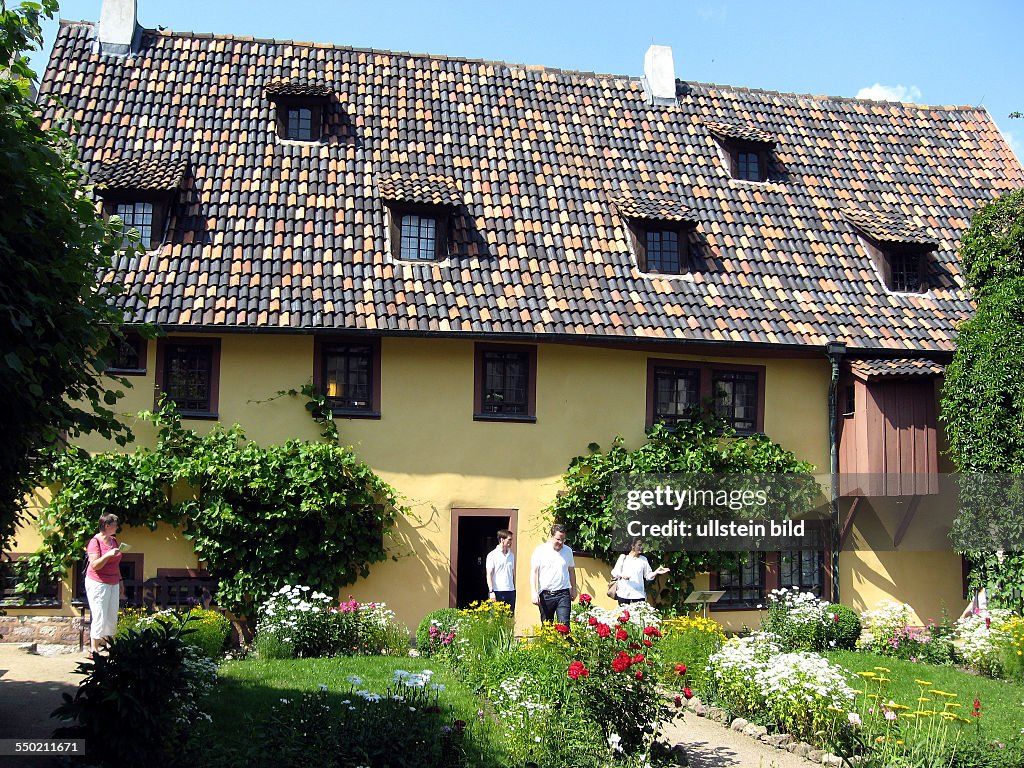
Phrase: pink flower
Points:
(890, 715)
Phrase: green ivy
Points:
(983, 395)
(705, 444)
(258, 516)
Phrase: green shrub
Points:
(688, 642)
(842, 628)
(137, 701)
(429, 641)
(203, 629)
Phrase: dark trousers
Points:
(509, 598)
(630, 600)
(555, 605)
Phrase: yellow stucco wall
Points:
(427, 445)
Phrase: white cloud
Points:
(879, 92)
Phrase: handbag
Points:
(613, 588)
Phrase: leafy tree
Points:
(983, 399)
(590, 506)
(55, 316)
(258, 516)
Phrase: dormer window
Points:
(140, 190)
(660, 233)
(744, 148)
(661, 249)
(898, 249)
(420, 213)
(300, 108)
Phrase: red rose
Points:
(639, 675)
(649, 630)
(638, 659)
(634, 646)
(687, 693)
(562, 629)
(647, 642)
(621, 634)
(592, 621)
(577, 670)
(603, 630)
(585, 598)
(624, 617)
(680, 669)
(678, 701)
(621, 662)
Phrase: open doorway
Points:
(474, 534)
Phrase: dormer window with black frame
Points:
(140, 190)
(898, 249)
(745, 148)
(299, 108)
(660, 233)
(420, 213)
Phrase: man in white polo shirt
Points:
(500, 569)
(553, 577)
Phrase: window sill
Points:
(504, 417)
(125, 371)
(200, 415)
(716, 607)
(339, 413)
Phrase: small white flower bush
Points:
(978, 639)
(299, 621)
(802, 692)
(798, 618)
(641, 614)
(883, 628)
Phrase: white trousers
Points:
(103, 603)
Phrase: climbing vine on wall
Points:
(258, 516)
(705, 444)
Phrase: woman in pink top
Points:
(103, 582)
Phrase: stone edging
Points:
(753, 730)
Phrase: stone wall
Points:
(46, 630)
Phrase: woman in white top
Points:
(633, 572)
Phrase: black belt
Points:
(553, 591)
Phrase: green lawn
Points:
(1002, 703)
(248, 689)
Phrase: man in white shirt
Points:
(500, 568)
(553, 577)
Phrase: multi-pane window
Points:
(188, 376)
(348, 376)
(139, 216)
(735, 398)
(676, 393)
(299, 124)
(506, 383)
(905, 272)
(663, 252)
(127, 355)
(803, 569)
(418, 238)
(748, 166)
(744, 584)
(11, 574)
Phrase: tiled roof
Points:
(875, 369)
(140, 172)
(645, 207)
(286, 235)
(299, 88)
(432, 190)
(887, 227)
(740, 132)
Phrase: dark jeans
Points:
(555, 605)
(509, 598)
(630, 600)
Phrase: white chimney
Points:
(659, 76)
(119, 27)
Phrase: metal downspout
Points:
(834, 351)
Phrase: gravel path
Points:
(30, 689)
(711, 745)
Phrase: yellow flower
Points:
(908, 715)
(923, 682)
(883, 669)
(867, 675)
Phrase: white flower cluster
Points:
(745, 655)
(800, 607)
(278, 615)
(377, 613)
(641, 614)
(521, 706)
(413, 679)
(978, 637)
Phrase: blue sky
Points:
(927, 51)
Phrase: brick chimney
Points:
(119, 27)
(659, 78)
